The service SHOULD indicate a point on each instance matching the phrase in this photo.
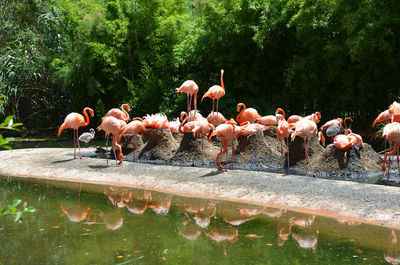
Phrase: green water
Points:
(87, 224)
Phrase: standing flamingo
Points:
(134, 127)
(112, 125)
(120, 114)
(228, 132)
(248, 114)
(216, 92)
(392, 133)
(394, 110)
(190, 88)
(283, 131)
(74, 121)
(305, 129)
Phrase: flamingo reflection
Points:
(392, 254)
(191, 232)
(119, 197)
(273, 212)
(284, 230)
(348, 222)
(112, 220)
(306, 239)
(76, 213)
(160, 203)
(223, 234)
(302, 221)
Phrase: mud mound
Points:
(361, 165)
(128, 142)
(296, 150)
(259, 151)
(159, 144)
(193, 150)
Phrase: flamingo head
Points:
(239, 105)
(126, 106)
(231, 122)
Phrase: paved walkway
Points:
(366, 202)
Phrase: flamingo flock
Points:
(248, 121)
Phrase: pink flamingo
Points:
(283, 131)
(384, 116)
(223, 234)
(76, 213)
(394, 110)
(216, 92)
(270, 120)
(190, 88)
(305, 129)
(120, 114)
(228, 131)
(74, 121)
(216, 118)
(248, 114)
(392, 133)
(112, 125)
(156, 121)
(134, 127)
(330, 123)
(174, 125)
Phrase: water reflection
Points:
(392, 254)
(223, 234)
(152, 222)
(76, 213)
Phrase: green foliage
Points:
(336, 56)
(16, 209)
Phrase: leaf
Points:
(18, 216)
(15, 203)
(30, 209)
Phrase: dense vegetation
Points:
(337, 56)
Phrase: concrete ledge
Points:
(374, 204)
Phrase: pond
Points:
(95, 224)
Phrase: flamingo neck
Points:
(125, 108)
(183, 122)
(222, 80)
(87, 119)
(240, 113)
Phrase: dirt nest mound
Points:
(159, 144)
(357, 164)
(296, 150)
(260, 151)
(128, 142)
(194, 150)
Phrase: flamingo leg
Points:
(217, 104)
(390, 153)
(287, 142)
(305, 154)
(202, 152)
(280, 139)
(74, 145)
(134, 148)
(226, 158)
(233, 154)
(107, 148)
(218, 162)
(213, 106)
(187, 105)
(224, 249)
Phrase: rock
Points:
(159, 144)
(193, 150)
(296, 149)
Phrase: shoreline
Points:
(367, 203)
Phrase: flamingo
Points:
(156, 121)
(216, 92)
(134, 127)
(384, 116)
(270, 120)
(174, 125)
(190, 88)
(120, 114)
(216, 118)
(191, 232)
(283, 131)
(112, 125)
(392, 133)
(330, 123)
(228, 131)
(249, 114)
(74, 121)
(112, 220)
(394, 110)
(87, 136)
(305, 129)
(315, 117)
